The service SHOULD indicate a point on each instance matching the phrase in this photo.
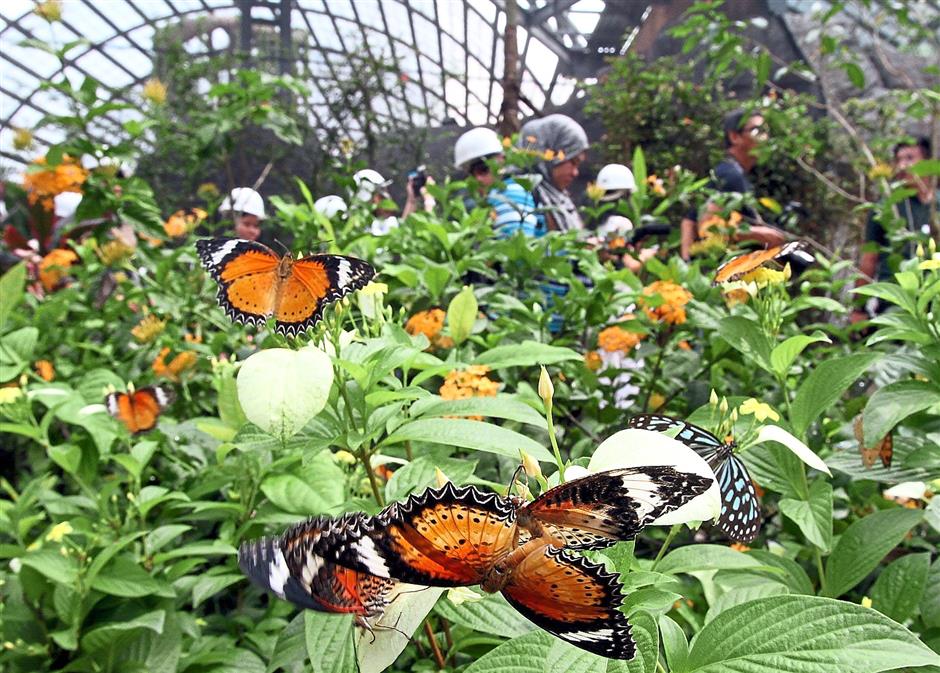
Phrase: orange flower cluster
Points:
(45, 370)
(673, 297)
(54, 267)
(616, 338)
(179, 364)
(148, 329)
(430, 323)
(593, 361)
(470, 382)
(181, 223)
(42, 185)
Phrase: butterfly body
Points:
(138, 410)
(883, 450)
(740, 517)
(256, 284)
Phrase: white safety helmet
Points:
(615, 178)
(244, 200)
(330, 205)
(368, 182)
(476, 144)
(66, 203)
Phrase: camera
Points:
(418, 178)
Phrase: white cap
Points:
(615, 177)
(330, 205)
(368, 182)
(476, 144)
(66, 203)
(244, 200)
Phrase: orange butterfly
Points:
(138, 410)
(255, 283)
(735, 268)
(883, 449)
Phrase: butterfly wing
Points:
(574, 599)
(446, 537)
(296, 567)
(314, 282)
(246, 272)
(704, 443)
(601, 509)
(139, 410)
(740, 517)
(886, 451)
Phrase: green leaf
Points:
(501, 406)
(864, 544)
(563, 657)
(704, 557)
(797, 634)
(526, 354)
(330, 642)
(420, 474)
(469, 435)
(123, 577)
(209, 585)
(930, 604)
(748, 338)
(891, 404)
(50, 563)
(825, 385)
(900, 587)
(375, 652)
(675, 644)
(792, 574)
(814, 517)
(12, 290)
(855, 74)
(762, 69)
(492, 615)
(461, 314)
(16, 351)
(783, 354)
(104, 636)
(925, 168)
(290, 650)
(292, 494)
(215, 548)
(524, 654)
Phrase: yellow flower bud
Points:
(59, 531)
(713, 398)
(530, 465)
(440, 477)
(919, 251)
(546, 389)
(723, 407)
(866, 602)
(344, 457)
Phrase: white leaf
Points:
(774, 433)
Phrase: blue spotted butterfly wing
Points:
(740, 516)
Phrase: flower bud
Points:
(546, 389)
(531, 466)
(723, 407)
(713, 398)
(440, 477)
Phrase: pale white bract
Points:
(774, 433)
(280, 390)
(640, 448)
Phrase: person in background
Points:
(372, 189)
(561, 145)
(915, 215)
(615, 232)
(478, 152)
(416, 191)
(743, 133)
(247, 210)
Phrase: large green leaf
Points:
(469, 435)
(813, 516)
(675, 644)
(12, 289)
(783, 354)
(525, 654)
(330, 640)
(492, 615)
(526, 354)
(16, 351)
(565, 658)
(890, 405)
(123, 577)
(747, 337)
(900, 587)
(805, 634)
(863, 544)
(421, 472)
(293, 494)
(825, 385)
(704, 557)
(104, 636)
(930, 603)
(501, 406)
(461, 314)
(646, 636)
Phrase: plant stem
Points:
(554, 441)
(435, 649)
(669, 538)
(654, 374)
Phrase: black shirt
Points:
(915, 215)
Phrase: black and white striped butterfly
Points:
(740, 517)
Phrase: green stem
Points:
(655, 373)
(554, 441)
(669, 538)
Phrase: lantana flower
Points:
(44, 183)
(671, 309)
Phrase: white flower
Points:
(460, 595)
(640, 448)
(573, 472)
(908, 490)
(773, 433)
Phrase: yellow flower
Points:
(507, 142)
(182, 362)
(22, 138)
(712, 243)
(45, 370)
(346, 146)
(154, 91)
(594, 192)
(735, 296)
(656, 184)
(530, 465)
(9, 394)
(880, 170)
(440, 478)
(50, 10)
(54, 267)
(43, 183)
(59, 531)
(375, 288)
(207, 191)
(672, 300)
(656, 401)
(761, 410)
(148, 329)
(930, 264)
(344, 457)
(592, 360)
(763, 276)
(616, 338)
(548, 155)
(866, 602)
(113, 252)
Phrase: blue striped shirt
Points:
(515, 211)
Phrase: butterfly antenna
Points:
(286, 249)
(515, 477)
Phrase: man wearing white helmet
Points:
(615, 231)
(514, 207)
(372, 188)
(247, 209)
